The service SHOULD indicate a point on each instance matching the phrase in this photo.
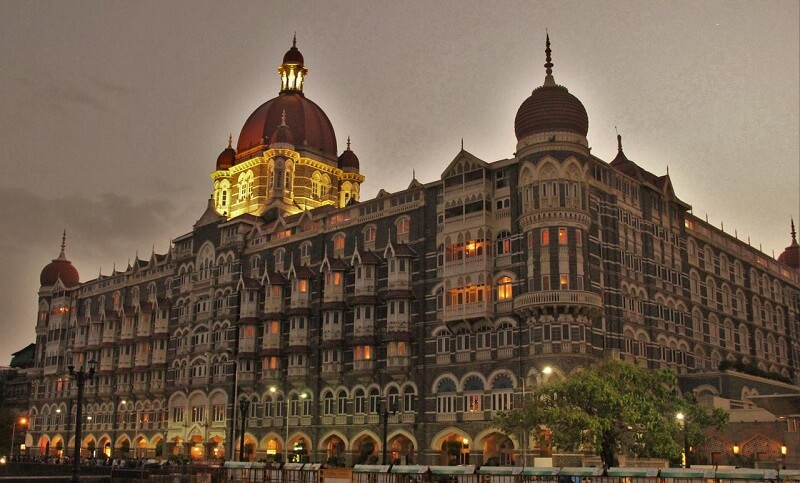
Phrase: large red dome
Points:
(310, 126)
(551, 109)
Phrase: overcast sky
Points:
(112, 114)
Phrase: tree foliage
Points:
(613, 407)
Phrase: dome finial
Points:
(64, 243)
(619, 140)
(348, 143)
(794, 233)
(230, 141)
(294, 39)
(548, 79)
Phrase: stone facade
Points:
(420, 313)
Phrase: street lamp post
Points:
(115, 422)
(22, 421)
(303, 395)
(386, 412)
(81, 376)
(244, 406)
(685, 425)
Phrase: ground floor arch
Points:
(400, 449)
(334, 449)
(453, 447)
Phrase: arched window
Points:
(315, 185)
(503, 243)
(504, 289)
(446, 396)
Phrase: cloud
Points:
(61, 94)
(102, 230)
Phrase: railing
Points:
(557, 297)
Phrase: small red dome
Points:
(791, 255)
(551, 109)
(348, 161)
(60, 268)
(227, 157)
(308, 123)
(293, 56)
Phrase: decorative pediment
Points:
(463, 162)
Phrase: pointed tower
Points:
(60, 268)
(791, 255)
(551, 118)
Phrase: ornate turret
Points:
(791, 255)
(60, 268)
(550, 109)
(292, 70)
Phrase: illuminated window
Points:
(338, 242)
(403, 226)
(564, 282)
(562, 236)
(302, 285)
(545, 236)
(315, 184)
(363, 352)
(504, 289)
(369, 234)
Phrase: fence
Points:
(316, 473)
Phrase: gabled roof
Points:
(463, 156)
(398, 250)
(248, 283)
(209, 216)
(273, 278)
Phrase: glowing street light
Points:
(303, 395)
(684, 424)
(22, 421)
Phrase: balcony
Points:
(159, 356)
(364, 287)
(397, 323)
(331, 367)
(364, 365)
(300, 300)
(363, 328)
(398, 362)
(109, 336)
(273, 305)
(473, 310)
(125, 361)
(556, 301)
(161, 326)
(297, 371)
(298, 338)
(272, 341)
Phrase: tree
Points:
(522, 422)
(614, 406)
